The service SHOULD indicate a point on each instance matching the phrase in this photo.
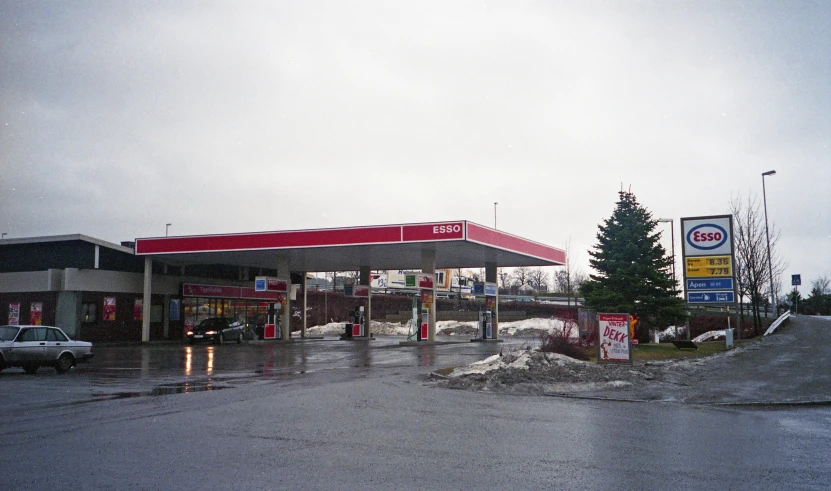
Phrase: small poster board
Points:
(614, 344)
(14, 313)
(175, 309)
(36, 313)
(138, 309)
(109, 308)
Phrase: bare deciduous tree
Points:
(538, 279)
(520, 276)
(751, 268)
(569, 278)
(821, 286)
(504, 278)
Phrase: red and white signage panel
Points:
(614, 343)
(425, 281)
(433, 231)
(270, 284)
(360, 291)
(707, 236)
(222, 291)
(212, 291)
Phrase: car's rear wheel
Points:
(30, 368)
(2, 364)
(220, 339)
(239, 338)
(64, 363)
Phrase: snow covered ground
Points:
(524, 328)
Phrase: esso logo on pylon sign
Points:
(707, 236)
(447, 229)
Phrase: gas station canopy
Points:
(459, 244)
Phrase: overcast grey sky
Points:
(119, 117)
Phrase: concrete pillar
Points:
(305, 291)
(491, 277)
(146, 305)
(284, 273)
(366, 279)
(428, 266)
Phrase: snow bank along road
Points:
(792, 366)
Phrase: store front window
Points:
(238, 304)
(243, 311)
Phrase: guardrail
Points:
(782, 318)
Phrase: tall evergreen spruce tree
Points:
(633, 271)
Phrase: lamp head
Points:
(769, 173)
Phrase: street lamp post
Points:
(672, 242)
(767, 234)
(166, 228)
(494, 214)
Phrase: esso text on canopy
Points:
(707, 236)
(454, 228)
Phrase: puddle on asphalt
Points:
(162, 390)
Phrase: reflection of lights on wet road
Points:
(210, 360)
(188, 360)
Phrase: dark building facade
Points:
(93, 289)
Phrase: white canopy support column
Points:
(491, 277)
(146, 306)
(305, 291)
(428, 266)
(284, 273)
(366, 279)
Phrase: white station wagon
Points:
(31, 347)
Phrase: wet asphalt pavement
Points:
(361, 415)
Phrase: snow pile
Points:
(378, 328)
(515, 359)
(524, 328)
(536, 372)
(534, 327)
(457, 328)
(669, 333)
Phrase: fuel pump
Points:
(274, 314)
(425, 307)
(358, 321)
(424, 325)
(486, 323)
(486, 318)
